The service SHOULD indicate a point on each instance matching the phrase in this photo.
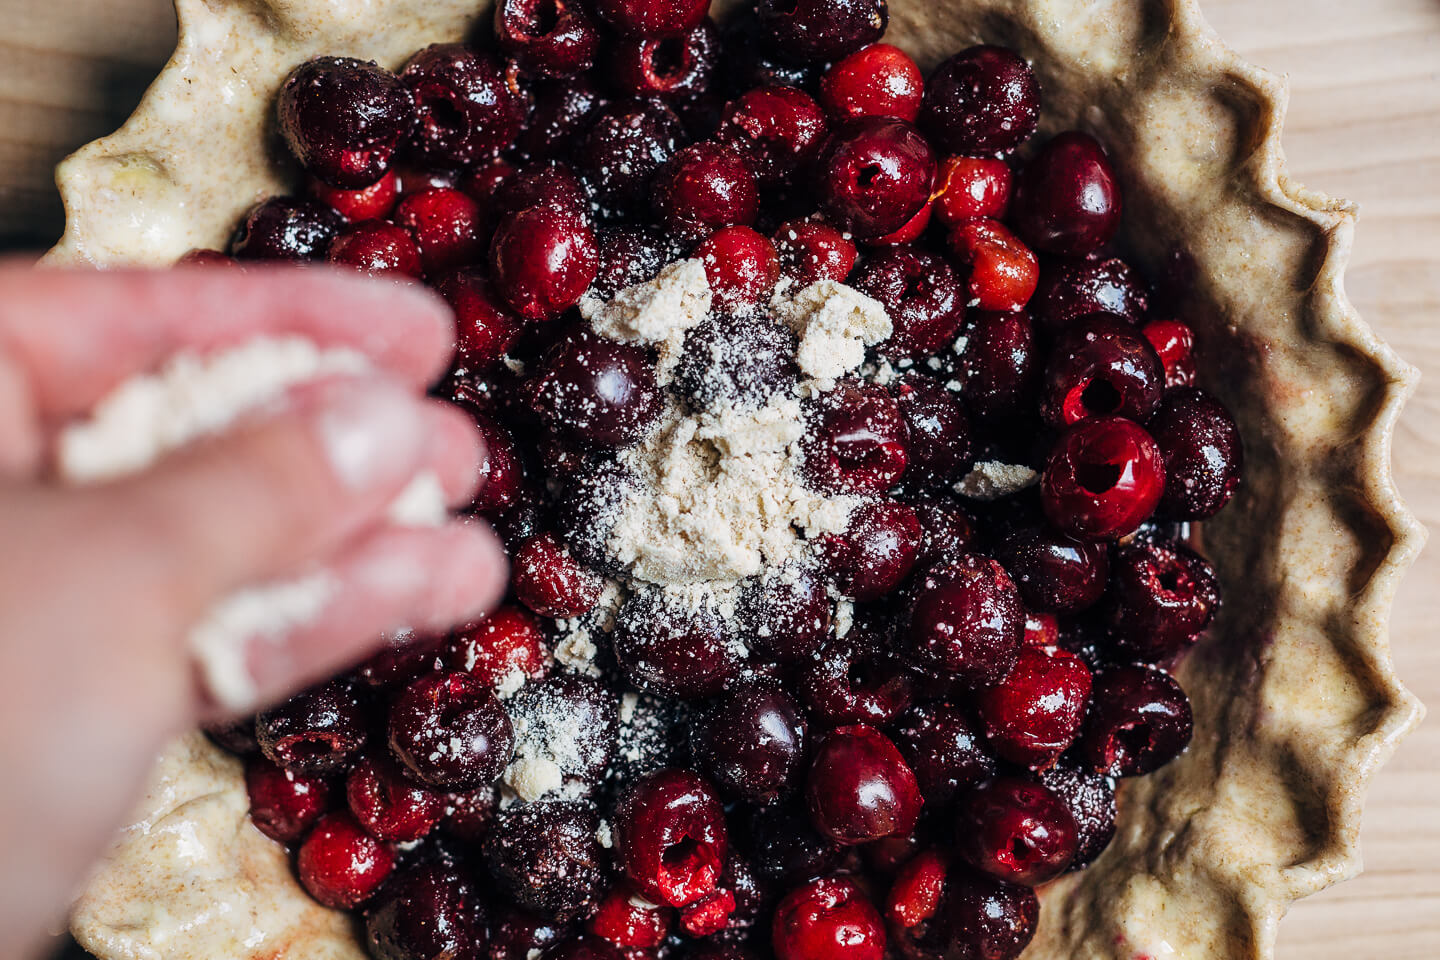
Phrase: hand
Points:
(100, 584)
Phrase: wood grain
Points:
(1364, 123)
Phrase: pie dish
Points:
(1295, 700)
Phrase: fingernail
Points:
(372, 431)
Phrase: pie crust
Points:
(1296, 701)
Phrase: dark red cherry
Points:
(520, 935)
(673, 649)
(811, 251)
(785, 613)
(545, 857)
(284, 228)
(367, 203)
(998, 364)
(947, 530)
(817, 31)
(400, 657)
(564, 110)
(855, 680)
(983, 100)
(552, 38)
(652, 18)
(1101, 366)
(670, 836)
(542, 260)
(1162, 595)
(1053, 571)
(236, 736)
(966, 619)
(629, 255)
(946, 910)
(1203, 453)
(741, 265)
(828, 919)
(785, 847)
(1139, 721)
(550, 183)
(971, 187)
(1090, 798)
(875, 174)
(450, 731)
(672, 67)
(751, 743)
(376, 247)
(344, 119)
(704, 187)
(468, 107)
(428, 910)
(1003, 271)
(874, 81)
(780, 130)
(486, 328)
(923, 295)
(1015, 831)
(735, 361)
(503, 477)
(877, 549)
(389, 806)
(1104, 477)
(571, 720)
(854, 440)
(1067, 198)
(1033, 715)
(340, 865)
(625, 147)
(859, 787)
(597, 393)
(944, 748)
(1175, 342)
(509, 640)
(315, 732)
(940, 447)
(284, 805)
(548, 580)
(1072, 289)
(447, 227)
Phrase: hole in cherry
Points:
(915, 287)
(682, 857)
(869, 176)
(1019, 851)
(783, 8)
(1130, 742)
(440, 112)
(311, 748)
(667, 59)
(1100, 396)
(1097, 477)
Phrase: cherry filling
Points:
(671, 837)
(855, 440)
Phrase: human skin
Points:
(100, 584)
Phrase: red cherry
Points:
(283, 805)
(704, 187)
(543, 260)
(1003, 271)
(1067, 198)
(626, 919)
(376, 247)
(741, 265)
(912, 230)
(1034, 714)
(510, 639)
(447, 227)
(1104, 477)
(389, 806)
(828, 919)
(874, 81)
(1175, 343)
(970, 187)
(710, 915)
(780, 130)
(670, 834)
(860, 788)
(811, 251)
(486, 328)
(1016, 831)
(368, 203)
(875, 175)
(550, 581)
(340, 864)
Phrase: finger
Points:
(427, 579)
(76, 335)
(271, 494)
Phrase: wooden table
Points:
(1364, 123)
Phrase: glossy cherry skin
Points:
(551, 183)
(944, 748)
(1055, 572)
(508, 640)
(544, 855)
(428, 910)
(1015, 831)
(741, 265)
(671, 838)
(828, 919)
(924, 296)
(626, 919)
(387, 805)
(786, 613)
(597, 393)
(467, 106)
(875, 81)
(998, 365)
(811, 251)
(367, 203)
(485, 325)
(940, 910)
(376, 247)
(542, 260)
(751, 743)
(971, 187)
(520, 935)
(1003, 271)
(284, 805)
(854, 440)
(672, 651)
(552, 38)
(859, 787)
(816, 31)
(876, 551)
(1032, 715)
(626, 145)
(1104, 477)
(1203, 453)
(1139, 721)
(1175, 343)
(502, 473)
(652, 18)
(548, 580)
(450, 731)
(629, 255)
(283, 228)
(344, 119)
(1067, 198)
(1101, 366)
(315, 732)
(564, 110)
(855, 680)
(965, 619)
(704, 187)
(1162, 595)
(1090, 798)
(780, 130)
(784, 846)
(675, 68)
(875, 175)
(983, 100)
(940, 448)
(341, 865)
(1072, 289)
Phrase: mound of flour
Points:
(193, 396)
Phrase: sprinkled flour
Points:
(835, 324)
(991, 480)
(190, 397)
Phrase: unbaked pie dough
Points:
(1296, 702)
